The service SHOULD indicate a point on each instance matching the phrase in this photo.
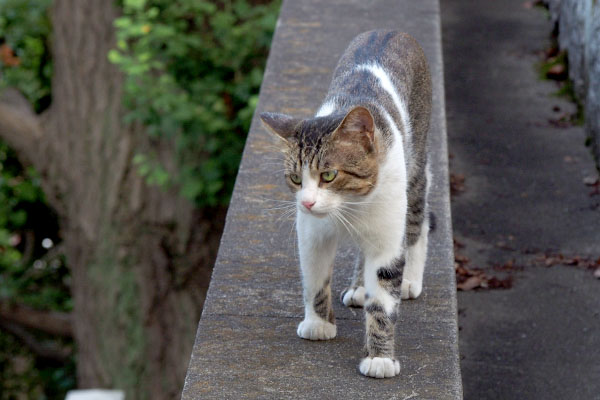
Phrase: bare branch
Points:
(29, 247)
(47, 349)
(53, 322)
(19, 125)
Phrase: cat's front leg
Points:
(383, 282)
(317, 244)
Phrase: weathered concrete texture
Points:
(524, 196)
(247, 345)
(579, 34)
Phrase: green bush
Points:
(28, 274)
(193, 69)
(24, 32)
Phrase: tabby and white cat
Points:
(359, 170)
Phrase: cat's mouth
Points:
(314, 213)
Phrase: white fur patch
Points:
(316, 329)
(326, 108)
(388, 86)
(354, 297)
(324, 200)
(379, 367)
(416, 256)
(392, 125)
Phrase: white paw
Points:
(354, 297)
(316, 329)
(410, 289)
(379, 367)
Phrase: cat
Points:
(359, 170)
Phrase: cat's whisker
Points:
(280, 209)
(283, 202)
(278, 155)
(292, 236)
(281, 206)
(346, 222)
(281, 222)
(278, 200)
(284, 210)
(357, 221)
(352, 209)
(365, 202)
(338, 218)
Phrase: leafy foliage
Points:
(24, 50)
(555, 66)
(193, 69)
(192, 72)
(29, 274)
(23, 376)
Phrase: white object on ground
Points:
(95, 394)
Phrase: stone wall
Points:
(246, 346)
(579, 34)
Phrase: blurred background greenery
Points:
(191, 73)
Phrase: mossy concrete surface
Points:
(247, 345)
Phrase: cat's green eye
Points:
(329, 175)
(297, 179)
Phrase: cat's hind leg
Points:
(416, 256)
(417, 232)
(354, 295)
(317, 244)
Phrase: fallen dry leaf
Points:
(508, 266)
(495, 283)
(459, 258)
(457, 184)
(549, 259)
(474, 278)
(470, 284)
(557, 72)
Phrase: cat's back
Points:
(386, 71)
(396, 52)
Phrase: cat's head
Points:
(329, 160)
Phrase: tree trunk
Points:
(140, 256)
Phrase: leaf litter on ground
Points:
(470, 278)
(457, 184)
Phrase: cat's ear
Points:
(359, 121)
(282, 125)
(357, 127)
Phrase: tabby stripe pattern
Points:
(390, 277)
(322, 303)
(380, 331)
(417, 187)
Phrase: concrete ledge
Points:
(246, 346)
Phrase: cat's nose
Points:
(308, 204)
